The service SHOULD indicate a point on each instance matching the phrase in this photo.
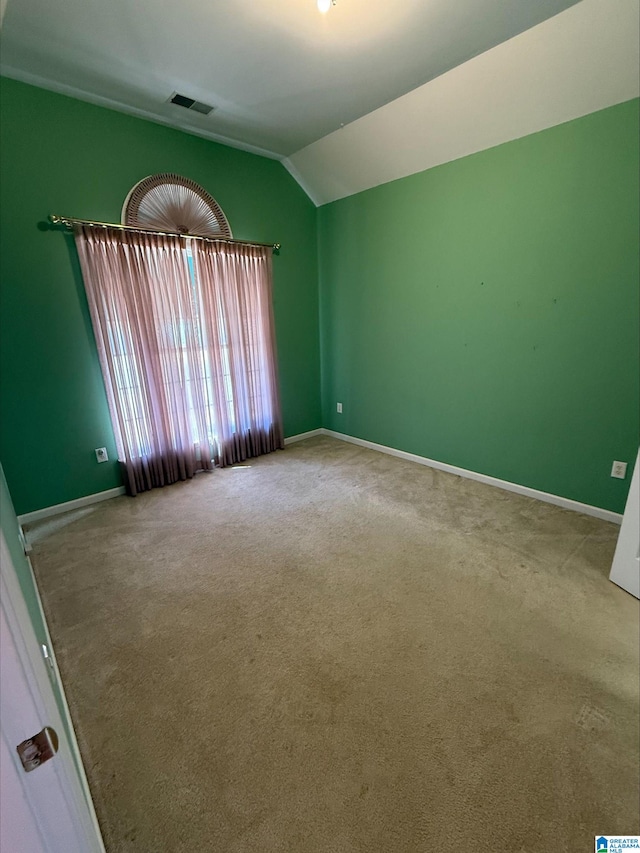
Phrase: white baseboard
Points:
(78, 503)
(566, 503)
(546, 497)
(302, 435)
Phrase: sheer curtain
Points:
(234, 284)
(186, 346)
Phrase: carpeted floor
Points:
(331, 650)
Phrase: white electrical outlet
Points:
(339, 408)
(619, 470)
(101, 454)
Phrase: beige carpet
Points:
(332, 650)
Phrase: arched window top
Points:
(169, 202)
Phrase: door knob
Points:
(37, 749)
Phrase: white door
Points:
(625, 570)
(47, 810)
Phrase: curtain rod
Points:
(69, 221)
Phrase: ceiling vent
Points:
(190, 104)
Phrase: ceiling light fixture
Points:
(325, 5)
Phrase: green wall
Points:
(484, 313)
(61, 155)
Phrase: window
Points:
(185, 334)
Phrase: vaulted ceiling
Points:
(279, 74)
(368, 92)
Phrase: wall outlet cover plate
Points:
(619, 470)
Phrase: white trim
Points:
(302, 435)
(566, 503)
(78, 503)
(546, 497)
(73, 740)
(625, 571)
(87, 500)
(70, 775)
(118, 106)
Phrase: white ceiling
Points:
(280, 75)
(582, 60)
